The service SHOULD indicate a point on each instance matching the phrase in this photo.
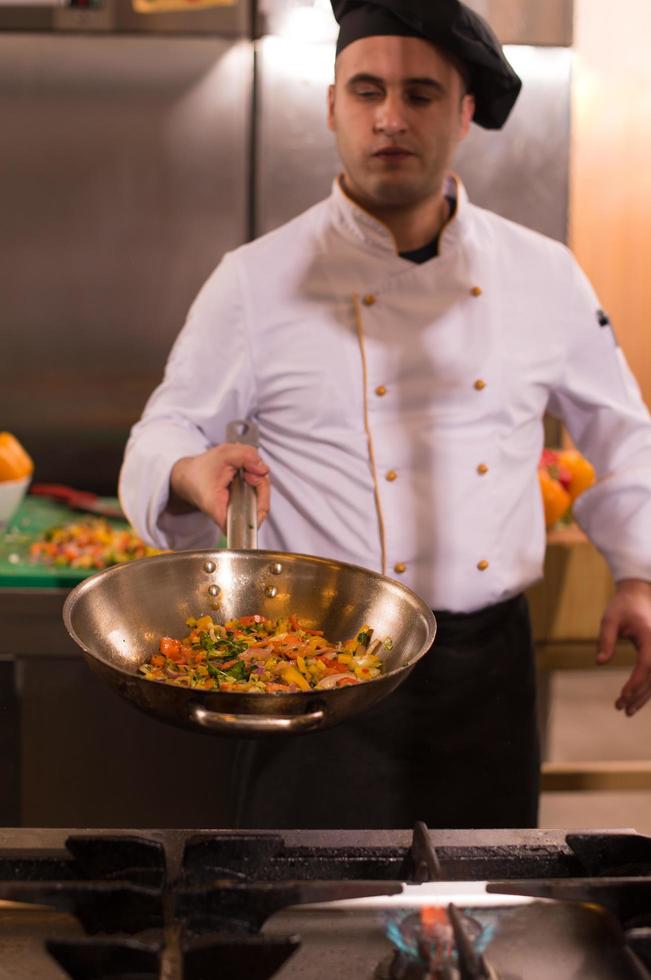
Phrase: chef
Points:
(398, 347)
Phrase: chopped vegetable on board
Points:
(92, 543)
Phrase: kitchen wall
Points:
(610, 228)
(126, 173)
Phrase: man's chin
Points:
(396, 193)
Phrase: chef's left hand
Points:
(628, 615)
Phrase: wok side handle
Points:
(218, 721)
(242, 512)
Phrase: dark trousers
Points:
(455, 745)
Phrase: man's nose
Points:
(389, 117)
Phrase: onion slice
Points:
(332, 679)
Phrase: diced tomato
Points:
(250, 620)
(170, 647)
(345, 681)
(185, 654)
(289, 654)
(229, 663)
(290, 640)
(331, 667)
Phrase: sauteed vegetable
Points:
(260, 655)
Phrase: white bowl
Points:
(11, 495)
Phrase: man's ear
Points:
(467, 113)
(331, 107)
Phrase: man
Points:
(398, 348)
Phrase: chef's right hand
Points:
(202, 482)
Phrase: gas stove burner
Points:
(401, 967)
(437, 944)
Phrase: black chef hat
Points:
(453, 27)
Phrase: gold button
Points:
(479, 384)
(482, 565)
(391, 476)
(482, 468)
(400, 567)
(369, 299)
(475, 291)
(380, 391)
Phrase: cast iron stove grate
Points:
(195, 904)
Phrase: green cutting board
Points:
(34, 516)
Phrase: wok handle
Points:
(242, 511)
(218, 721)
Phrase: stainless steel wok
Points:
(118, 615)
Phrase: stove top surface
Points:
(187, 904)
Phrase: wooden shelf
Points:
(580, 655)
(569, 777)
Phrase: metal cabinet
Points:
(74, 754)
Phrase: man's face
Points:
(398, 110)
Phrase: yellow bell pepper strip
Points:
(292, 676)
(203, 623)
(15, 464)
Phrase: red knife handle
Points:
(60, 492)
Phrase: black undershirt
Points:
(431, 250)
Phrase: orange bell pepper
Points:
(15, 464)
(581, 472)
(556, 500)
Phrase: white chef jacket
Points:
(400, 405)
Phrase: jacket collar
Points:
(355, 223)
